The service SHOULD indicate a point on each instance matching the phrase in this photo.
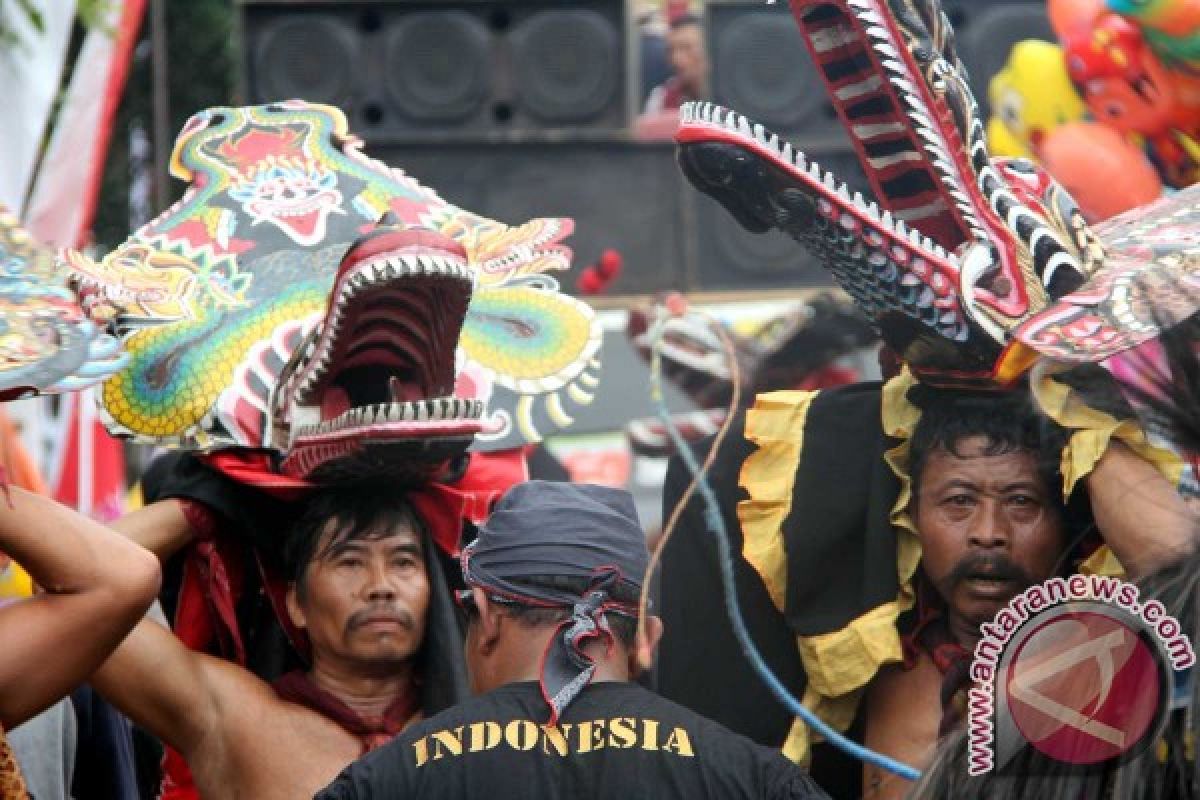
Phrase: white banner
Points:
(30, 72)
(64, 198)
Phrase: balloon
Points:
(1173, 17)
(1127, 88)
(1123, 84)
(1172, 27)
(1030, 97)
(1067, 16)
(1103, 171)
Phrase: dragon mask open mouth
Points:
(311, 304)
(374, 383)
(954, 253)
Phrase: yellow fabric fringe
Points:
(839, 664)
(776, 425)
(1092, 430)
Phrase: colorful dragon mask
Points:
(46, 343)
(969, 267)
(304, 299)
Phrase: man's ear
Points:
(641, 657)
(489, 622)
(294, 611)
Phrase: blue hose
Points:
(716, 526)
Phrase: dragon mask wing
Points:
(47, 344)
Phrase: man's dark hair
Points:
(624, 628)
(1007, 420)
(357, 513)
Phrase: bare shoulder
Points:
(903, 710)
(268, 747)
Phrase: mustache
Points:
(363, 616)
(993, 566)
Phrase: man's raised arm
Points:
(162, 528)
(1143, 520)
(155, 680)
(96, 586)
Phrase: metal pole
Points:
(160, 100)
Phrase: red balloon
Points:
(1067, 16)
(1103, 171)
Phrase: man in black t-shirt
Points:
(552, 639)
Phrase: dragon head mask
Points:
(969, 267)
(306, 300)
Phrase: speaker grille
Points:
(432, 70)
(566, 65)
(309, 56)
(761, 68)
(729, 257)
(622, 195)
(436, 66)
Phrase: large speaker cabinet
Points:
(432, 69)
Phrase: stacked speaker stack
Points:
(522, 108)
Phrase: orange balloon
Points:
(1103, 171)
(1070, 15)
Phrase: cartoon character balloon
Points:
(1031, 97)
(1105, 173)
(1172, 28)
(1127, 88)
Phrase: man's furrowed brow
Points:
(405, 547)
(1025, 484)
(337, 548)
(361, 544)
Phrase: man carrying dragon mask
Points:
(330, 338)
(880, 524)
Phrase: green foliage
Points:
(91, 15)
(25, 8)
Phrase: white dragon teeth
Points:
(388, 268)
(739, 124)
(432, 410)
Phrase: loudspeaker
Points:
(730, 258)
(628, 196)
(760, 67)
(428, 69)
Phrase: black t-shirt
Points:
(615, 740)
